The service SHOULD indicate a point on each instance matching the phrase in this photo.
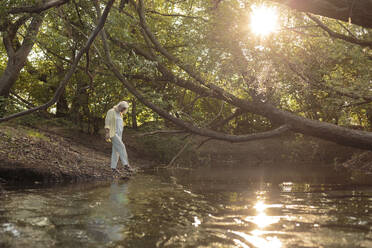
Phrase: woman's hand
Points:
(107, 134)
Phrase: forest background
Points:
(193, 69)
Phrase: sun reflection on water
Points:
(262, 220)
(259, 242)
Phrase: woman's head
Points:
(122, 107)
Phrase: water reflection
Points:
(105, 219)
(190, 209)
(262, 220)
(257, 241)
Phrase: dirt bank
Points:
(56, 154)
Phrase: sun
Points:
(264, 20)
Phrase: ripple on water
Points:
(176, 210)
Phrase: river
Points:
(206, 207)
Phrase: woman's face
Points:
(122, 109)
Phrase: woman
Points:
(114, 131)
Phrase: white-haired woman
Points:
(114, 131)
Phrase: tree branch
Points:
(354, 11)
(20, 99)
(161, 132)
(176, 15)
(187, 126)
(179, 152)
(30, 37)
(323, 130)
(10, 33)
(39, 8)
(8, 45)
(159, 47)
(223, 122)
(333, 34)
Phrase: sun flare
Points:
(264, 20)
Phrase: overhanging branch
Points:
(323, 130)
(333, 34)
(185, 125)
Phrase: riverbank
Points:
(59, 153)
(55, 154)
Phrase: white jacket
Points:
(110, 122)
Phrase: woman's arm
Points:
(107, 133)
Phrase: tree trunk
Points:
(79, 109)
(356, 11)
(62, 106)
(62, 109)
(17, 57)
(10, 75)
(134, 114)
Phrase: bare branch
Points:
(216, 117)
(179, 152)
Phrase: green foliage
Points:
(164, 148)
(38, 135)
(218, 43)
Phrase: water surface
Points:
(225, 207)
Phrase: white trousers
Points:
(118, 150)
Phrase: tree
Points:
(168, 54)
(256, 104)
(18, 51)
(85, 48)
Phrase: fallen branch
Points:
(203, 142)
(160, 132)
(179, 153)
